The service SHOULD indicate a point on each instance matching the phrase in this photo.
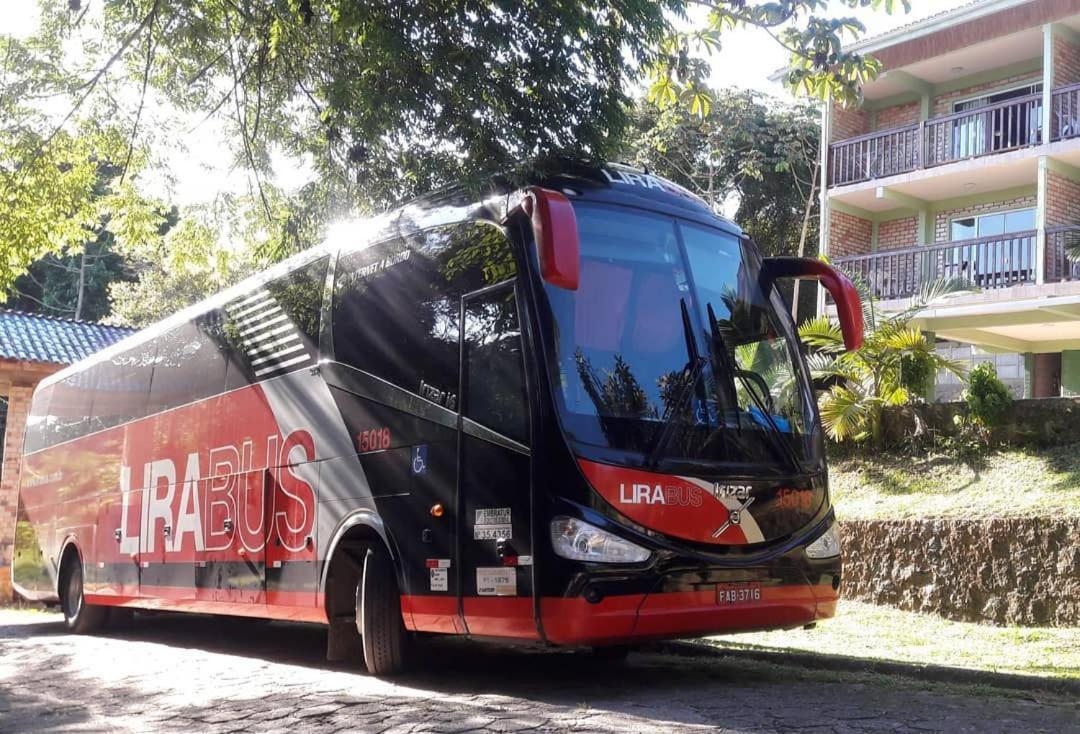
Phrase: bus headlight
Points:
(826, 546)
(580, 541)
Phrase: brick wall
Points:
(1066, 62)
(943, 218)
(18, 408)
(943, 105)
(848, 122)
(848, 235)
(898, 115)
(897, 233)
(1062, 200)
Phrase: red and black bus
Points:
(572, 412)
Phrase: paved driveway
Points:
(200, 674)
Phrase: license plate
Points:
(743, 593)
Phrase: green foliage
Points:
(916, 374)
(817, 67)
(988, 399)
(865, 381)
(62, 187)
(761, 149)
(186, 265)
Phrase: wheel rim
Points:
(73, 599)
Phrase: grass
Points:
(1013, 482)
(882, 633)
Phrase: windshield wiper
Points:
(776, 436)
(691, 374)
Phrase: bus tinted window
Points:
(396, 309)
(35, 422)
(494, 377)
(275, 328)
(393, 317)
(69, 409)
(188, 367)
(123, 386)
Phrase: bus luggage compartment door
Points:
(494, 475)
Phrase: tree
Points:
(750, 146)
(760, 150)
(865, 381)
(393, 99)
(818, 65)
(189, 263)
(56, 190)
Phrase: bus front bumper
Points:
(692, 604)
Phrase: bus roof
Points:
(612, 183)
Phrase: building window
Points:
(989, 225)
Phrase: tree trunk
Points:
(802, 238)
(82, 286)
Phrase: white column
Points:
(823, 191)
(1040, 220)
(1047, 81)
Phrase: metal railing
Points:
(1065, 116)
(876, 155)
(995, 128)
(987, 262)
(1061, 242)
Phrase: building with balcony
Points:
(963, 161)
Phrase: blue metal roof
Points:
(34, 338)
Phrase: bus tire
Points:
(79, 617)
(378, 616)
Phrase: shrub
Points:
(988, 399)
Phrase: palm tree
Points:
(864, 382)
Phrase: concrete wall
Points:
(1011, 368)
(998, 571)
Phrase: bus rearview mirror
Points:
(556, 233)
(848, 302)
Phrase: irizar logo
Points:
(649, 494)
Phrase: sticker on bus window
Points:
(493, 523)
(440, 579)
(496, 581)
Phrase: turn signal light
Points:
(437, 510)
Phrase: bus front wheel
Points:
(378, 616)
(79, 617)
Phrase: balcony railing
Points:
(1065, 120)
(996, 128)
(1061, 242)
(987, 262)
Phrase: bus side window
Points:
(35, 422)
(69, 409)
(494, 371)
(187, 368)
(394, 318)
(274, 328)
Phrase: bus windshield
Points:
(670, 349)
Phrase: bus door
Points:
(495, 544)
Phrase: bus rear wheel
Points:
(79, 617)
(378, 616)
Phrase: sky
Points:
(202, 169)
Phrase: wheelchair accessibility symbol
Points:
(419, 459)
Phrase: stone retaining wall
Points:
(1036, 423)
(1000, 571)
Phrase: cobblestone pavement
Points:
(209, 674)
